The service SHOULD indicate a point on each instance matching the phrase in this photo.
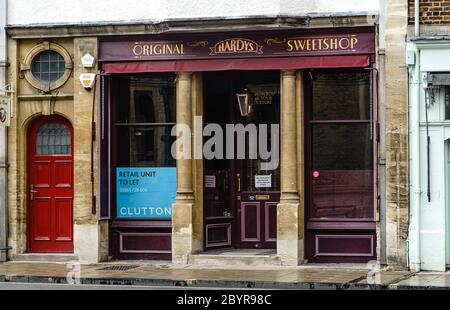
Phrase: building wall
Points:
(75, 104)
(85, 11)
(431, 12)
(430, 227)
(396, 133)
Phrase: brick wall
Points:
(431, 12)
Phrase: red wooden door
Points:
(50, 186)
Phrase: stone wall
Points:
(396, 112)
(74, 103)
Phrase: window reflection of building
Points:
(146, 123)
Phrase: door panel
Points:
(62, 173)
(270, 221)
(50, 186)
(41, 218)
(250, 222)
(63, 210)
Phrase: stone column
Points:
(289, 228)
(182, 209)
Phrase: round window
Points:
(48, 66)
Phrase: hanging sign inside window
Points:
(263, 181)
(4, 111)
(264, 93)
(145, 192)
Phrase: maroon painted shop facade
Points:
(340, 135)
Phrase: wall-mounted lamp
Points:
(246, 102)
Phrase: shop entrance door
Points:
(241, 195)
(340, 210)
(50, 186)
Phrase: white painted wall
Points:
(22, 12)
(429, 237)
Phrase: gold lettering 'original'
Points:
(158, 49)
(233, 46)
(322, 44)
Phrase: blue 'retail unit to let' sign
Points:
(145, 192)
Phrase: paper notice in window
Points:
(263, 181)
(210, 181)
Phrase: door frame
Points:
(32, 129)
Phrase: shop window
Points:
(144, 122)
(53, 139)
(143, 166)
(341, 146)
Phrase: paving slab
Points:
(152, 274)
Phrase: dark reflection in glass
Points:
(342, 147)
(148, 146)
(150, 100)
(341, 96)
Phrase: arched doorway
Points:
(50, 185)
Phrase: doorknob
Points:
(32, 191)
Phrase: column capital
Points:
(289, 72)
(184, 75)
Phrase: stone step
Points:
(233, 260)
(45, 257)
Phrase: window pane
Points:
(148, 146)
(53, 139)
(48, 66)
(342, 171)
(341, 96)
(149, 100)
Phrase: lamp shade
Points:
(246, 101)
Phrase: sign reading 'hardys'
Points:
(260, 44)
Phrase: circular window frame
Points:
(28, 61)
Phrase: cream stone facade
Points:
(396, 133)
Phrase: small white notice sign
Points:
(210, 181)
(263, 181)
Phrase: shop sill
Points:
(141, 224)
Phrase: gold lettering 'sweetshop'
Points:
(158, 49)
(322, 44)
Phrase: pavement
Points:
(163, 275)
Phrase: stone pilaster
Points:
(396, 136)
(182, 209)
(86, 229)
(290, 210)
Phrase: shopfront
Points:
(276, 148)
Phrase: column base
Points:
(290, 244)
(182, 232)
